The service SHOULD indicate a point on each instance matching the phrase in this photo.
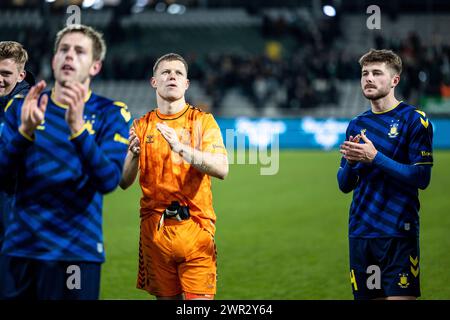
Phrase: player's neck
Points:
(57, 91)
(170, 107)
(384, 104)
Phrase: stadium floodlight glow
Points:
(175, 8)
(329, 11)
(88, 3)
(141, 3)
(137, 9)
(182, 9)
(50, 1)
(423, 76)
(160, 7)
(139, 6)
(98, 5)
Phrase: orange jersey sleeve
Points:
(165, 176)
(212, 141)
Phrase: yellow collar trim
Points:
(381, 112)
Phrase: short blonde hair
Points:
(15, 51)
(98, 43)
(170, 57)
(391, 59)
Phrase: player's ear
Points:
(22, 75)
(395, 80)
(153, 82)
(95, 68)
(187, 83)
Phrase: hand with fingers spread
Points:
(134, 147)
(357, 152)
(73, 95)
(170, 135)
(33, 114)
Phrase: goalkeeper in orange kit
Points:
(176, 148)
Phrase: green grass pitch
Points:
(282, 236)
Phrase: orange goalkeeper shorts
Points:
(178, 258)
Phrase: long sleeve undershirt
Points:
(415, 175)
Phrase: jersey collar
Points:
(172, 116)
(390, 109)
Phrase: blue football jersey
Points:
(384, 206)
(7, 187)
(61, 179)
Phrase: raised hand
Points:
(33, 114)
(170, 135)
(352, 139)
(134, 147)
(73, 95)
(359, 152)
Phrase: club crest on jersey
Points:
(89, 121)
(393, 129)
(403, 283)
(150, 138)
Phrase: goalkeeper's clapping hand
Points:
(134, 147)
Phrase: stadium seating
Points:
(235, 33)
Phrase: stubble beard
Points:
(376, 96)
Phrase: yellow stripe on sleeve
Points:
(119, 138)
(120, 104)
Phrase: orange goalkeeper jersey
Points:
(165, 176)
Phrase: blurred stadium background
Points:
(266, 68)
